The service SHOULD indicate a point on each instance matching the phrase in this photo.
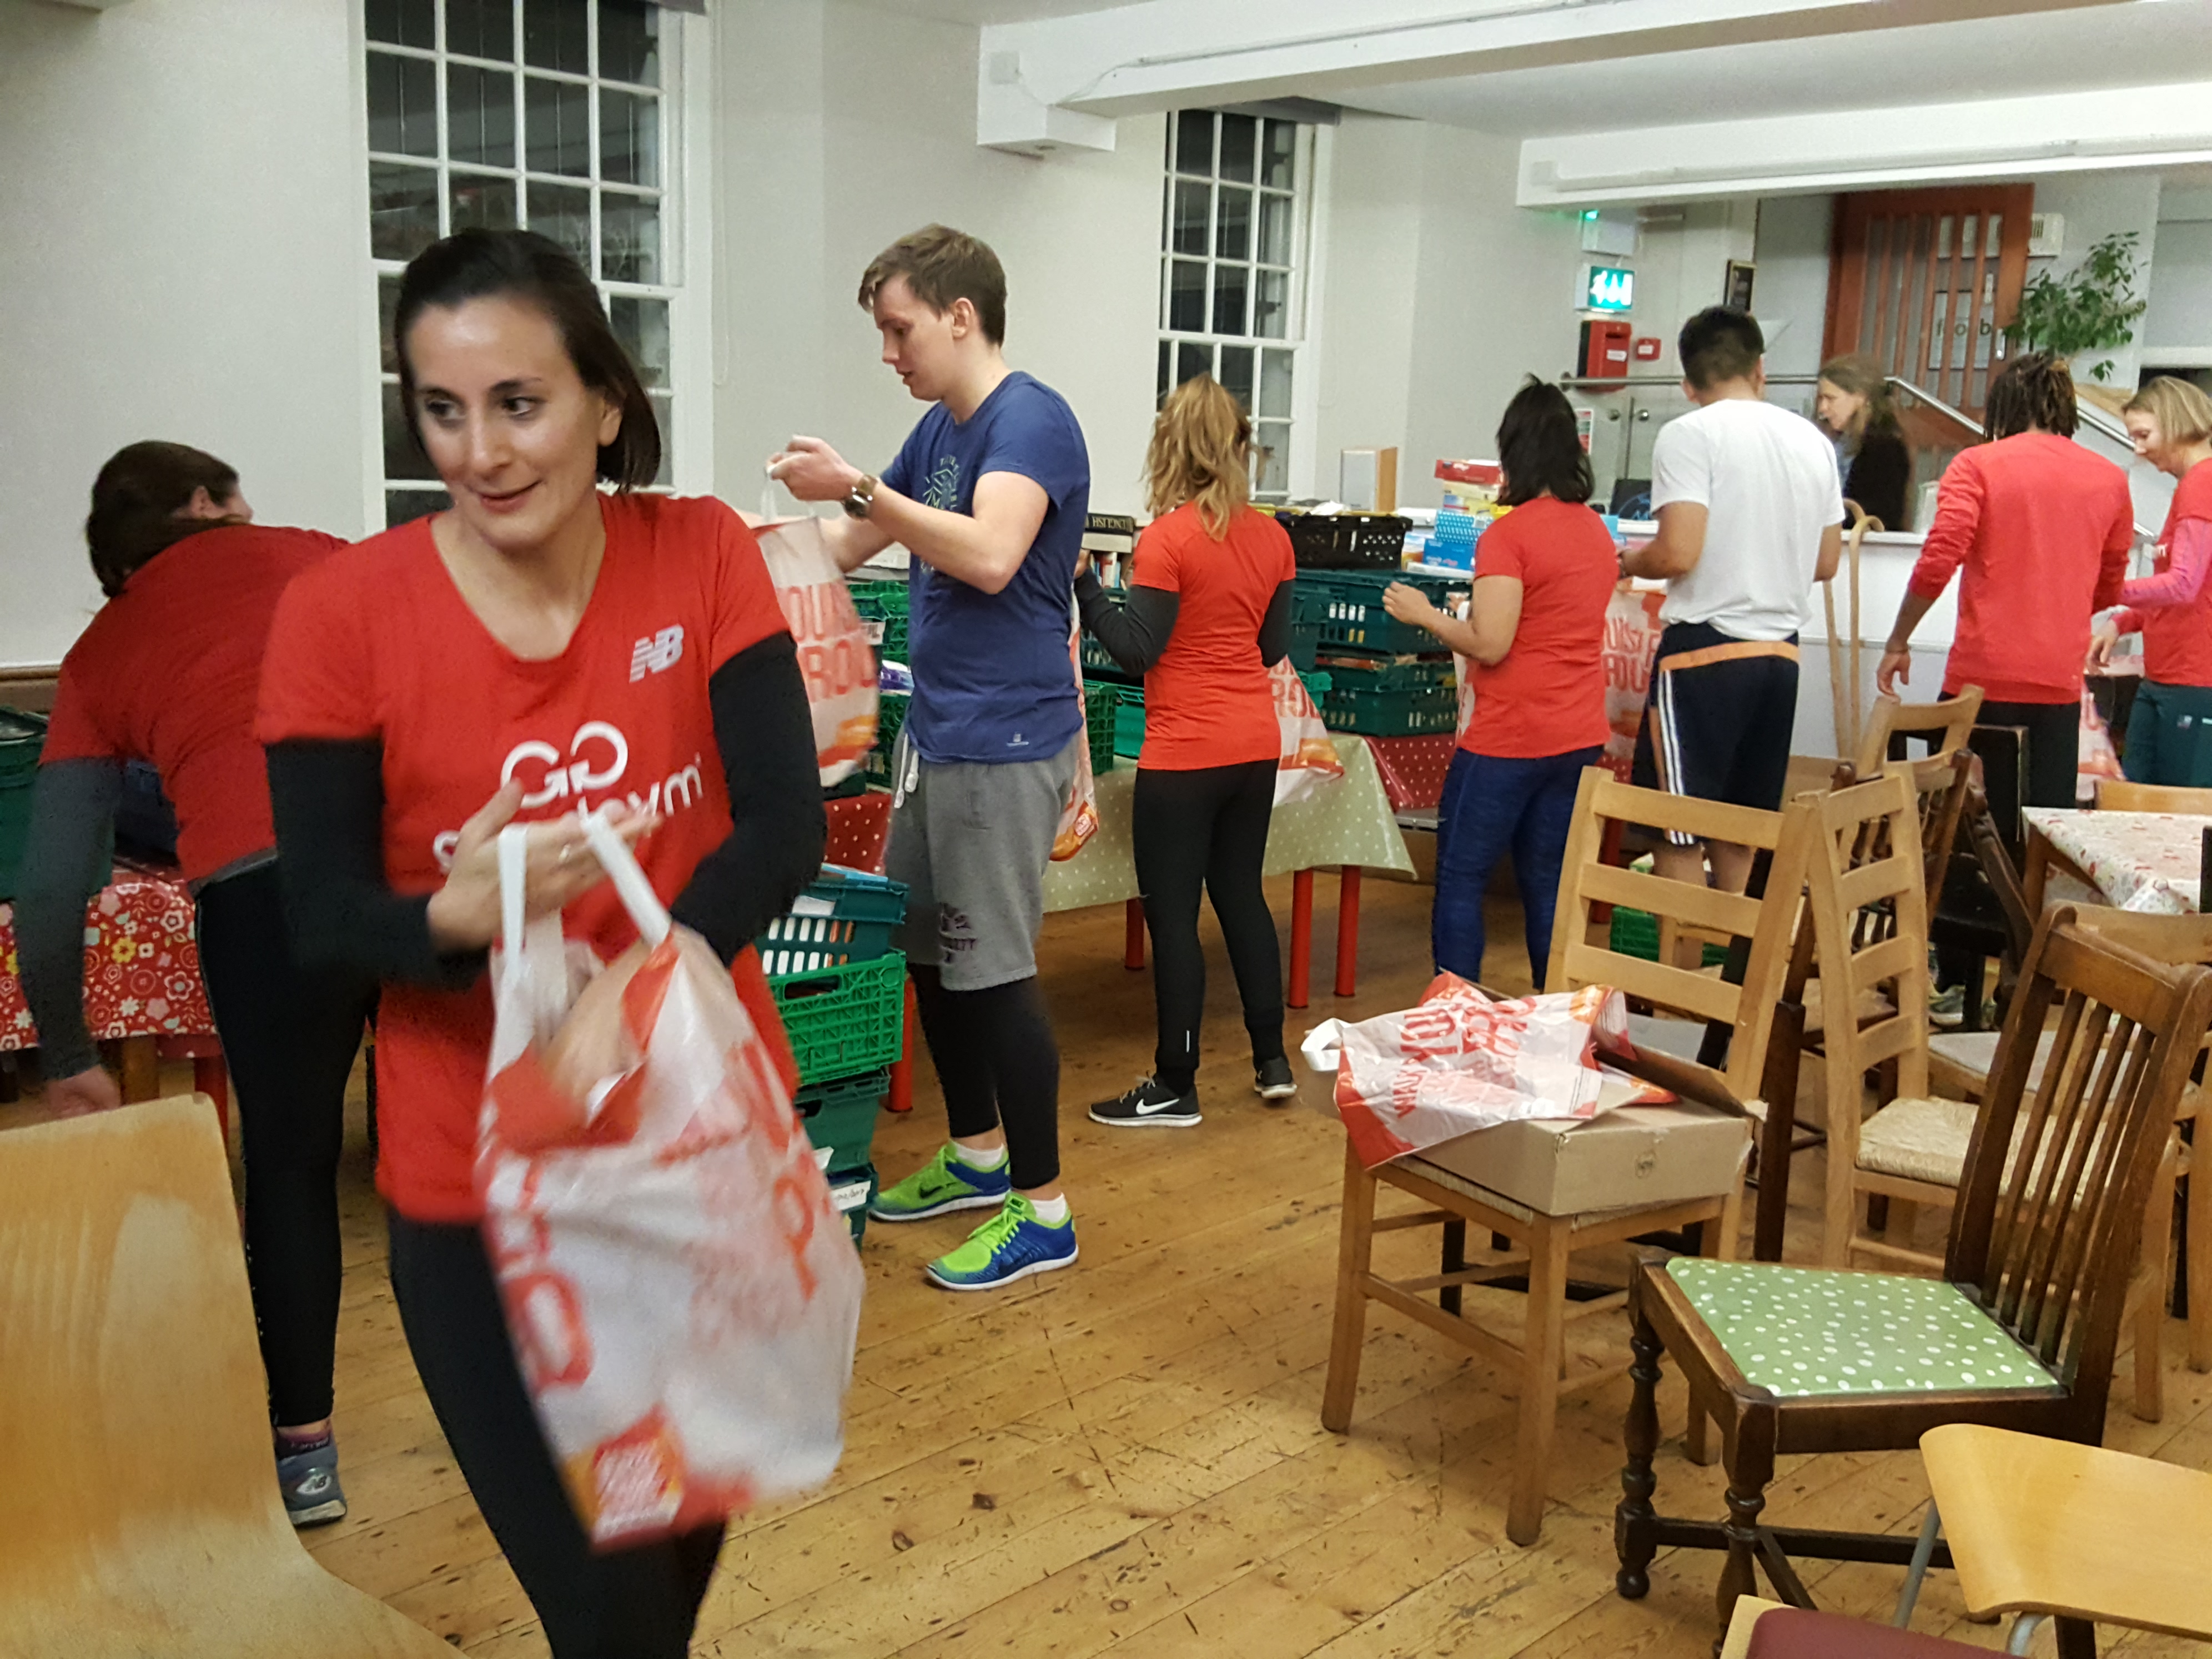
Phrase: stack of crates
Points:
(882, 604)
(1129, 719)
(840, 988)
(1386, 678)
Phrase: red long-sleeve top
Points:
(2042, 528)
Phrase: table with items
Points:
(2148, 862)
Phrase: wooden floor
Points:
(1126, 1457)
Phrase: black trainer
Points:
(1150, 1105)
(1273, 1081)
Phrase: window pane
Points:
(1236, 372)
(629, 138)
(560, 127)
(1194, 209)
(1192, 358)
(1271, 313)
(483, 201)
(629, 239)
(480, 28)
(387, 305)
(664, 411)
(480, 115)
(403, 22)
(405, 506)
(1186, 296)
(629, 42)
(1233, 235)
(402, 209)
(641, 325)
(1194, 141)
(403, 105)
(1275, 215)
(554, 35)
(1275, 385)
(1279, 159)
(1231, 283)
(563, 212)
(402, 460)
(1167, 356)
(1270, 459)
(1239, 136)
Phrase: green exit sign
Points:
(1608, 288)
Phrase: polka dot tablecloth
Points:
(1811, 1331)
(142, 966)
(1412, 769)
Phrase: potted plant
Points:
(2092, 309)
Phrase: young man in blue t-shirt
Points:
(988, 495)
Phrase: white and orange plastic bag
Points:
(684, 1299)
(1307, 758)
(834, 657)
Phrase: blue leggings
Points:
(1492, 804)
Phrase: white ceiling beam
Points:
(1850, 150)
(1158, 54)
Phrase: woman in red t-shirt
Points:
(2170, 726)
(1544, 574)
(536, 650)
(1208, 616)
(166, 673)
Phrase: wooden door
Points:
(1925, 281)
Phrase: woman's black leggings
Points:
(289, 1035)
(1207, 829)
(624, 1604)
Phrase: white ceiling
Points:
(2081, 50)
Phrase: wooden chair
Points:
(1959, 1061)
(2119, 795)
(2020, 1332)
(1768, 1630)
(136, 1492)
(1942, 726)
(1544, 1243)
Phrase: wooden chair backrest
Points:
(2049, 1225)
(1768, 926)
(1940, 785)
(1868, 896)
(2119, 795)
(1942, 725)
(2003, 876)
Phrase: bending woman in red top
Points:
(2170, 727)
(1208, 616)
(538, 650)
(1536, 632)
(2043, 528)
(166, 672)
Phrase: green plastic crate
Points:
(884, 606)
(1348, 608)
(890, 717)
(841, 1118)
(1422, 673)
(22, 738)
(1318, 682)
(1129, 725)
(844, 915)
(1635, 934)
(1390, 713)
(851, 1191)
(1101, 704)
(845, 1019)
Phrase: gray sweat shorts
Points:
(971, 843)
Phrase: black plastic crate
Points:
(1347, 541)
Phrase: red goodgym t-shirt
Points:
(1547, 695)
(377, 642)
(1208, 700)
(2178, 638)
(167, 672)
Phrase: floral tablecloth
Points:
(142, 966)
(1348, 822)
(2144, 861)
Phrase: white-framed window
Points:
(1232, 238)
(549, 115)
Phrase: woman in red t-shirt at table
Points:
(536, 650)
(166, 673)
(1544, 574)
(1208, 614)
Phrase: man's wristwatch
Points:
(862, 497)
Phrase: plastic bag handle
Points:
(514, 883)
(615, 857)
(768, 502)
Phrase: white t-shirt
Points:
(1767, 480)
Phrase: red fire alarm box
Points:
(1647, 348)
(1605, 348)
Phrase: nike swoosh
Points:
(1143, 1110)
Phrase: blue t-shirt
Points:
(992, 678)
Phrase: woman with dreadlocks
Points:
(2042, 528)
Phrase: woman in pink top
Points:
(2042, 528)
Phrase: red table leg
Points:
(1301, 936)
(211, 1077)
(1348, 930)
(902, 1090)
(1133, 947)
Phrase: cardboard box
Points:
(1634, 1155)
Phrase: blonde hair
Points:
(2182, 410)
(1200, 452)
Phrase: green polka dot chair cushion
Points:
(1803, 1332)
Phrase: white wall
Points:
(2180, 314)
(1681, 267)
(1363, 354)
(1789, 295)
(184, 248)
(2095, 206)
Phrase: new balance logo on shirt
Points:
(656, 652)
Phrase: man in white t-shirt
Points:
(1750, 510)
